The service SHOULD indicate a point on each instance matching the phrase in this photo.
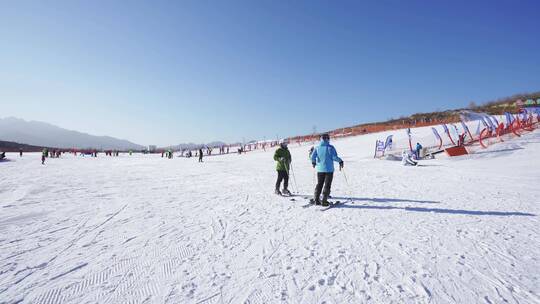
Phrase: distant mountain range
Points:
(194, 146)
(43, 134)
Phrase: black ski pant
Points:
(324, 179)
(282, 175)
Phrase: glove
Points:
(313, 164)
(340, 165)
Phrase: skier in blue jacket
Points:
(323, 158)
(417, 150)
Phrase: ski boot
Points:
(278, 192)
(314, 201)
(325, 200)
(286, 192)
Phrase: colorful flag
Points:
(388, 142)
(509, 119)
(436, 134)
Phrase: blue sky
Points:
(165, 72)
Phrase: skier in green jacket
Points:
(283, 158)
(44, 154)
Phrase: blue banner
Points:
(509, 119)
(388, 142)
(464, 126)
(436, 133)
(487, 122)
(446, 129)
(495, 120)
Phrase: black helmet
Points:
(325, 136)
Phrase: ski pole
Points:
(345, 175)
(288, 174)
(294, 179)
(348, 185)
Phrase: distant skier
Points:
(407, 160)
(417, 150)
(283, 158)
(388, 146)
(20, 152)
(2, 155)
(461, 139)
(323, 157)
(44, 155)
(200, 155)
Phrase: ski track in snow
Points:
(144, 229)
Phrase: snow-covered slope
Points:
(145, 229)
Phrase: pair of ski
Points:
(324, 208)
(312, 202)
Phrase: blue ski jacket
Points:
(324, 157)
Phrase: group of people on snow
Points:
(322, 159)
(223, 149)
(407, 159)
(112, 153)
(168, 154)
(49, 154)
(410, 158)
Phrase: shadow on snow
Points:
(417, 209)
(437, 210)
(384, 200)
(499, 151)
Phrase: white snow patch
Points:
(144, 229)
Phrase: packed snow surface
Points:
(145, 229)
